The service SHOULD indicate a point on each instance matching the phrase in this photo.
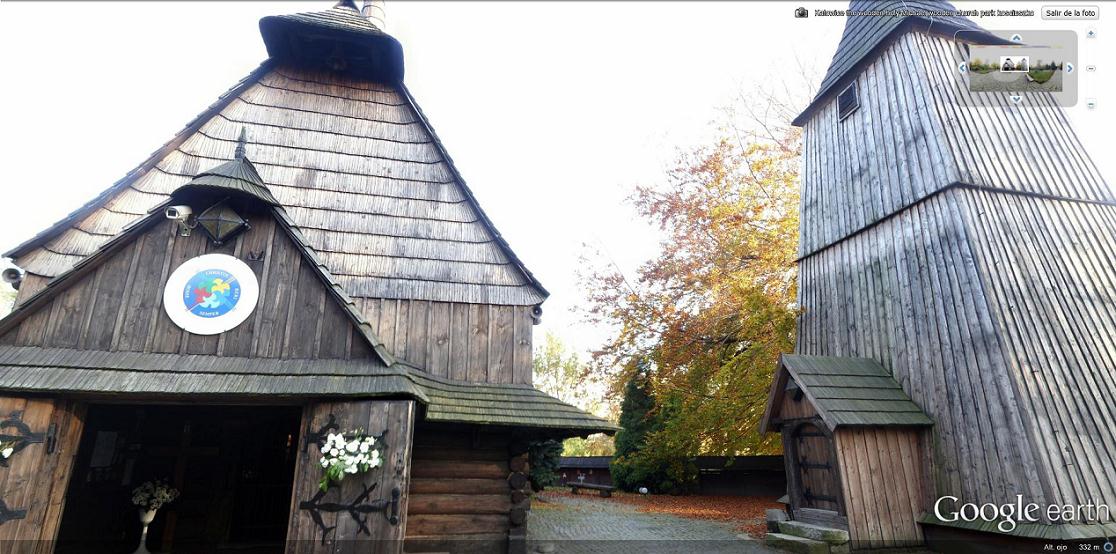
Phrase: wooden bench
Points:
(604, 490)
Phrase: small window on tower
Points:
(847, 102)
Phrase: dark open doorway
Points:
(232, 465)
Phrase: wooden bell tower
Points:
(969, 251)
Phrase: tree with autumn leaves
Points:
(701, 325)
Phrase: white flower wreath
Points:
(341, 457)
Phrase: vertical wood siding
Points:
(378, 535)
(1031, 148)
(917, 132)
(908, 293)
(1047, 269)
(886, 155)
(969, 250)
(119, 305)
(470, 342)
(881, 469)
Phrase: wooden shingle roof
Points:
(34, 369)
(358, 169)
(863, 35)
(845, 392)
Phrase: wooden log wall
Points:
(461, 497)
(881, 471)
(118, 306)
(482, 343)
(34, 479)
(519, 481)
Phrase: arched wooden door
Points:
(815, 468)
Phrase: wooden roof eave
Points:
(472, 200)
(60, 283)
(775, 399)
(97, 202)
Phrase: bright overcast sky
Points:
(552, 111)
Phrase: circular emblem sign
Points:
(211, 294)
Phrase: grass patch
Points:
(1041, 75)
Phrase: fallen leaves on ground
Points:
(747, 512)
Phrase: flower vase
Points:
(146, 517)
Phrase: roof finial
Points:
(376, 12)
(241, 142)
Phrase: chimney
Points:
(374, 11)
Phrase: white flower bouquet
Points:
(341, 457)
(153, 495)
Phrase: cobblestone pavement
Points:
(602, 526)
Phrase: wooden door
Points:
(43, 435)
(367, 513)
(815, 468)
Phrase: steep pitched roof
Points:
(864, 34)
(360, 172)
(845, 392)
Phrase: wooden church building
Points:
(957, 281)
(302, 259)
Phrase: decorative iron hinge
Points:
(358, 509)
(23, 437)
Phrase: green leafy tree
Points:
(544, 458)
(560, 373)
(637, 462)
(710, 312)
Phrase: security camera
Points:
(13, 276)
(179, 213)
(184, 216)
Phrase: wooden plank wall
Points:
(36, 480)
(908, 293)
(885, 155)
(1031, 148)
(1047, 268)
(916, 132)
(118, 306)
(379, 536)
(993, 308)
(881, 472)
(460, 497)
(468, 342)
